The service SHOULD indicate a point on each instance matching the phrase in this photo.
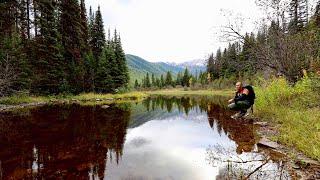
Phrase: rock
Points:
(268, 143)
(262, 124)
(307, 161)
(98, 99)
(295, 166)
(105, 106)
(75, 101)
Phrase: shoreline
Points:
(16, 102)
(299, 164)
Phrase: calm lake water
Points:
(159, 138)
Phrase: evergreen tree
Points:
(224, 63)
(123, 76)
(217, 67)
(68, 52)
(103, 80)
(47, 64)
(168, 81)
(147, 81)
(84, 31)
(7, 20)
(90, 28)
(186, 77)
(158, 83)
(179, 79)
(162, 82)
(136, 84)
(210, 64)
(89, 77)
(98, 38)
(70, 30)
(153, 83)
(86, 53)
(23, 21)
(247, 59)
(232, 60)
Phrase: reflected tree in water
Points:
(62, 141)
(253, 165)
(243, 133)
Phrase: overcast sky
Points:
(172, 30)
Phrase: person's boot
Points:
(237, 115)
(242, 113)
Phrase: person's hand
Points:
(230, 101)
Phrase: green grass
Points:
(21, 99)
(183, 92)
(86, 97)
(296, 112)
(94, 96)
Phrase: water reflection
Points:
(61, 141)
(243, 133)
(159, 138)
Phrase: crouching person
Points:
(243, 100)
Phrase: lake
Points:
(190, 137)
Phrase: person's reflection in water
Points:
(241, 133)
(238, 131)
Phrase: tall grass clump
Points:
(22, 98)
(296, 109)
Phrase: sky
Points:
(173, 30)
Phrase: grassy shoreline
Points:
(93, 97)
(182, 92)
(294, 111)
(85, 97)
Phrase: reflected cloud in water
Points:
(159, 138)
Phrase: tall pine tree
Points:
(98, 38)
(122, 78)
(47, 64)
(70, 31)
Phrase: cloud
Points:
(170, 30)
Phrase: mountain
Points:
(138, 67)
(194, 66)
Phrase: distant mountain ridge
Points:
(139, 67)
(192, 63)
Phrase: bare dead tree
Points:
(234, 24)
(285, 54)
(275, 10)
(7, 75)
